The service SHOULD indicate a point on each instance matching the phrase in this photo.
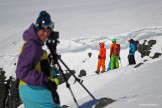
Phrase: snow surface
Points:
(82, 25)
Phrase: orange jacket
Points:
(102, 52)
(115, 49)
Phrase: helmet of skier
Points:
(113, 40)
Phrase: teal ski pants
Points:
(36, 97)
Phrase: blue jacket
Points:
(132, 49)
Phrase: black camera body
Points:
(51, 43)
(54, 35)
(52, 40)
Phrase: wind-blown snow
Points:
(82, 25)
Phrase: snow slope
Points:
(131, 87)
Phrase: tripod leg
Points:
(74, 97)
(68, 86)
(76, 78)
(56, 97)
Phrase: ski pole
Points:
(120, 63)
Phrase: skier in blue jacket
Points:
(132, 50)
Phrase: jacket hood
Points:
(101, 45)
(131, 41)
(30, 34)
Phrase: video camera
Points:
(52, 40)
(54, 35)
(51, 43)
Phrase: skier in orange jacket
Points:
(101, 58)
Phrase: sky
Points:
(82, 18)
(82, 25)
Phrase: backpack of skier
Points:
(136, 43)
(115, 49)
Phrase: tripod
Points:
(51, 44)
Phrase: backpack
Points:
(136, 44)
(115, 49)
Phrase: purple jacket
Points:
(29, 57)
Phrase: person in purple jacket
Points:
(37, 88)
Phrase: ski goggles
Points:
(46, 25)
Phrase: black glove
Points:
(119, 57)
(53, 87)
(99, 56)
(110, 56)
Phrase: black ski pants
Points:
(131, 59)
